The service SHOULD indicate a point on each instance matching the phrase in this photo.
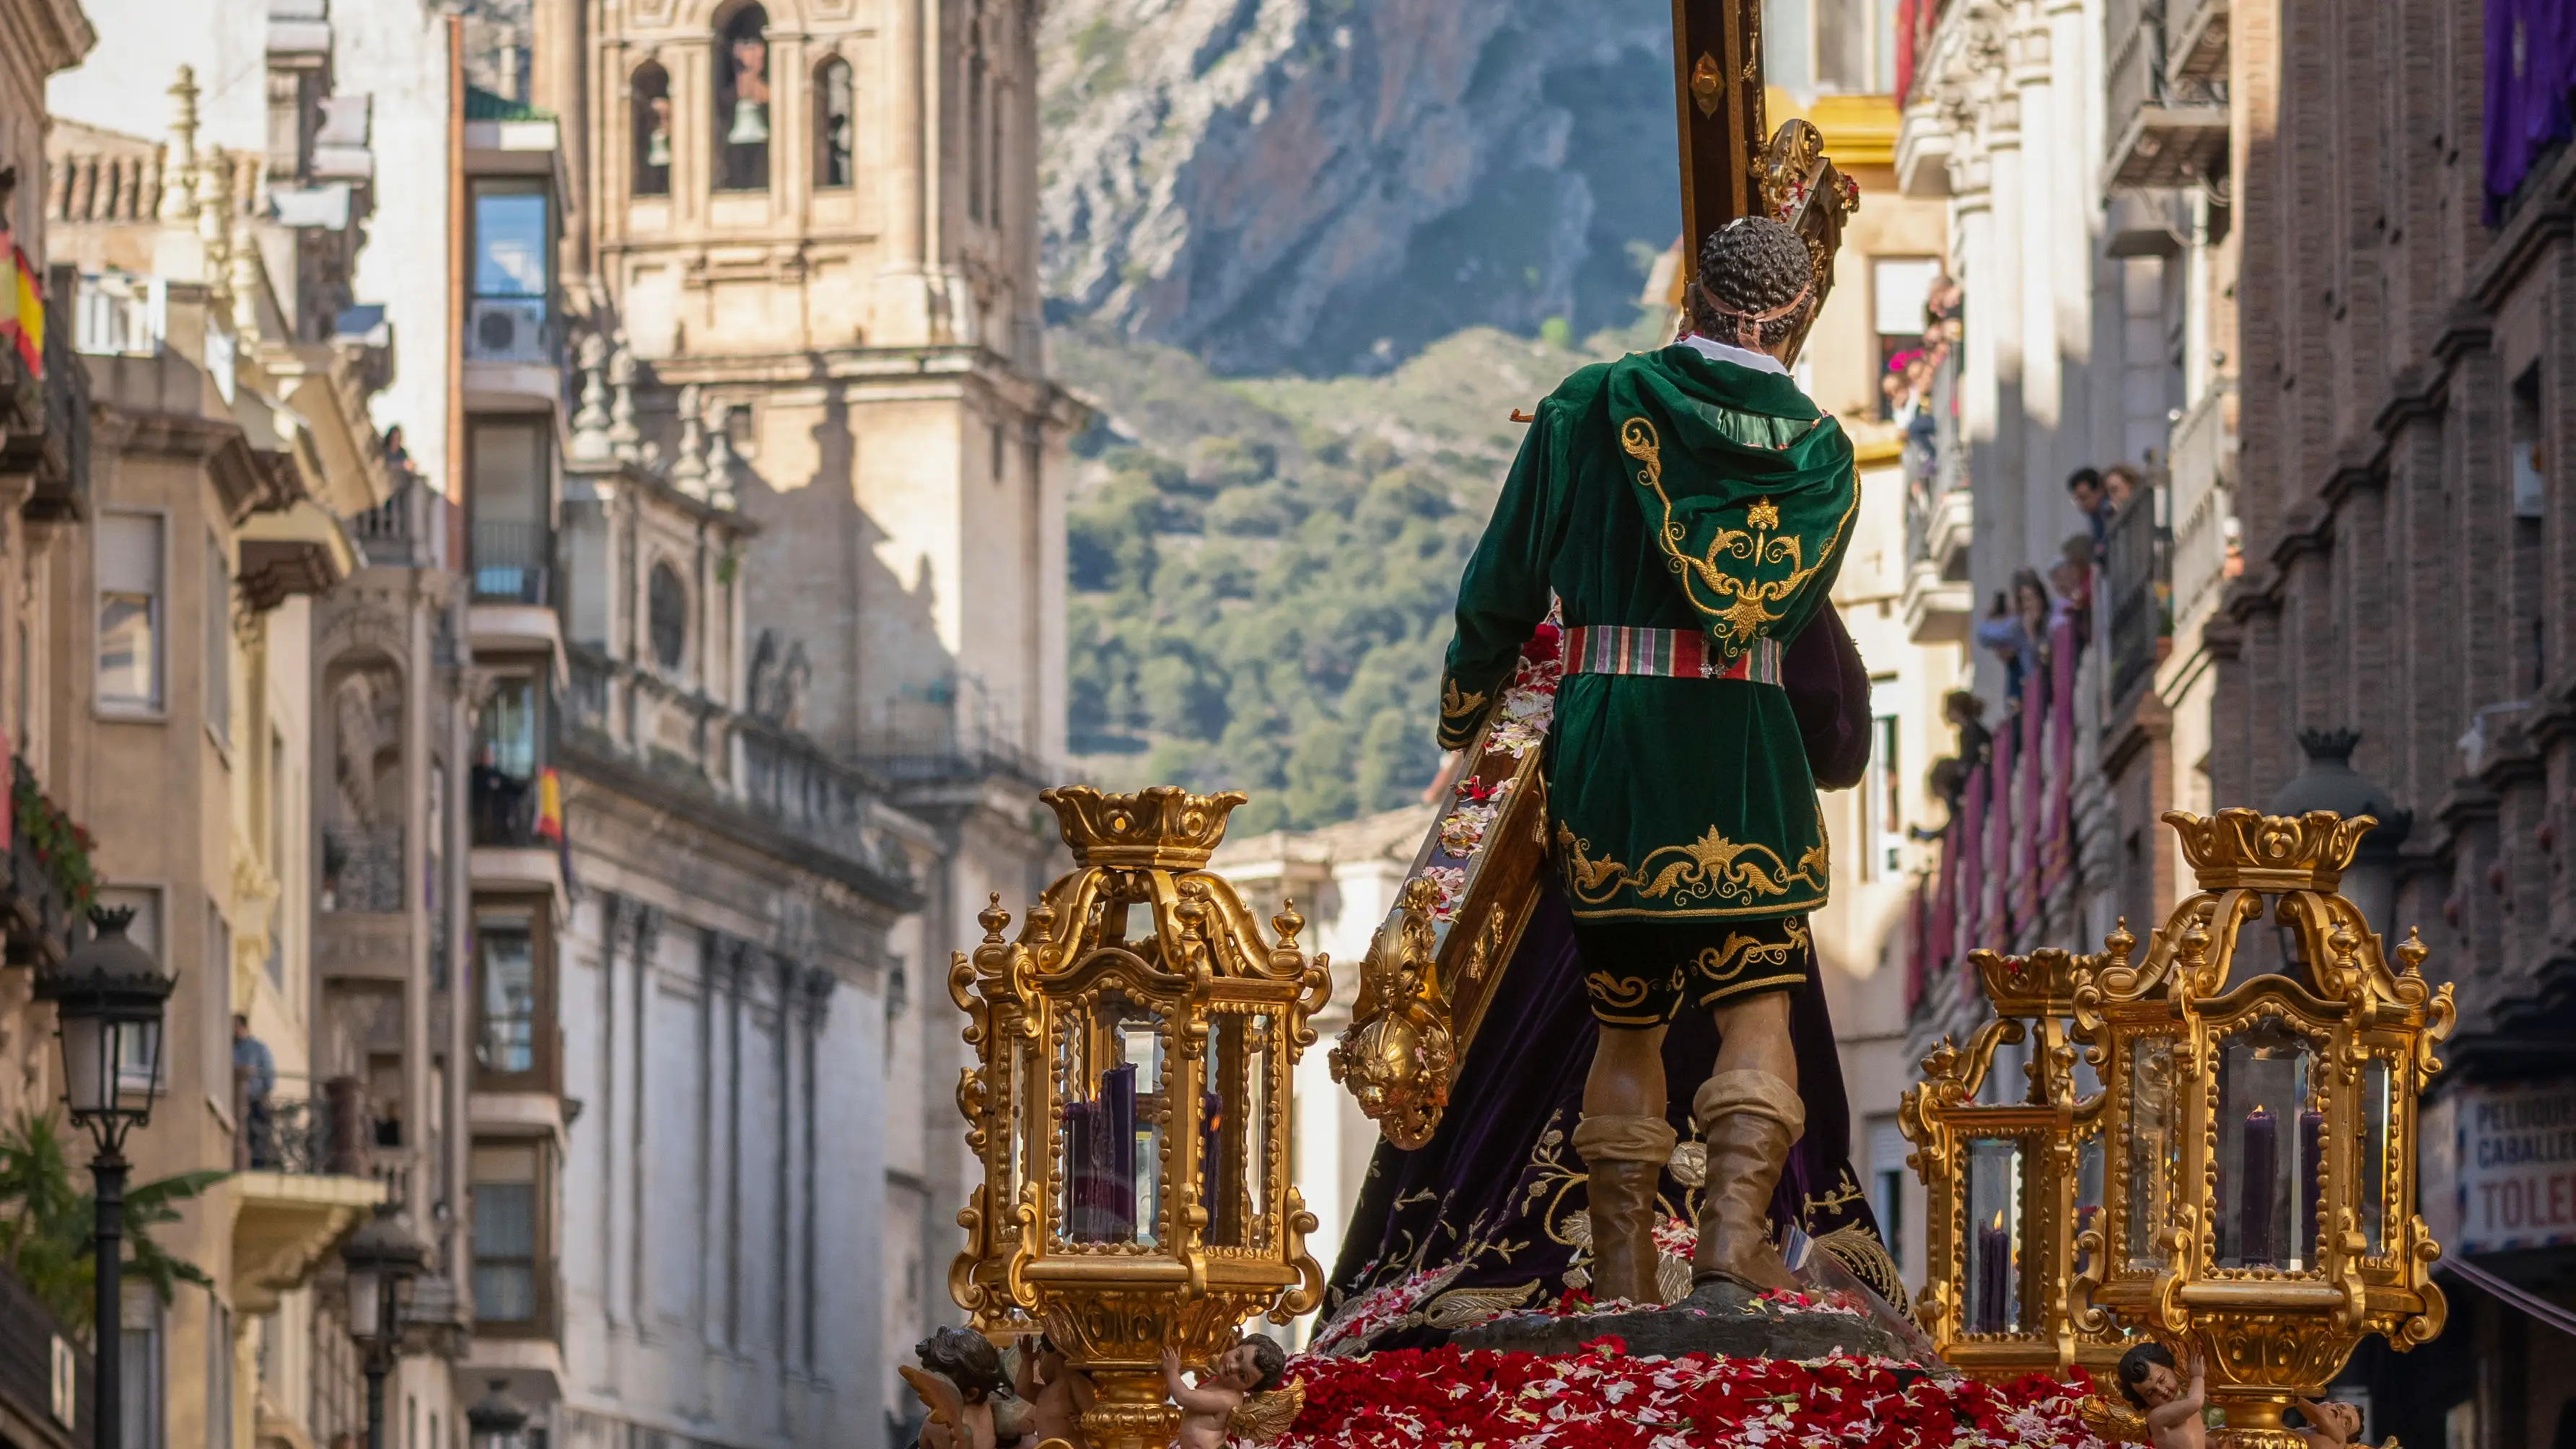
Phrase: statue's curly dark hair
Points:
(1750, 266)
(1271, 1359)
(2134, 1365)
(968, 1359)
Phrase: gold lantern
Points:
(2260, 1085)
(2009, 1184)
(1130, 1104)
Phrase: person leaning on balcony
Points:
(2120, 483)
(2084, 485)
(1967, 714)
(255, 1075)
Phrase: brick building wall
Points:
(2409, 513)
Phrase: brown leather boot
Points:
(1749, 1121)
(1624, 1159)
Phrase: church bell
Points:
(750, 124)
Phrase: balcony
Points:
(406, 531)
(648, 734)
(2162, 132)
(2139, 583)
(44, 432)
(502, 809)
(2204, 510)
(513, 564)
(46, 871)
(300, 1183)
(362, 870)
(2196, 41)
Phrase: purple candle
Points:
(2312, 1168)
(2260, 1153)
(1117, 1124)
(1994, 1275)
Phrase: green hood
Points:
(1750, 490)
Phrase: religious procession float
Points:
(1614, 1204)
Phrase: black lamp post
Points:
(108, 998)
(383, 1259)
(495, 1421)
(2330, 783)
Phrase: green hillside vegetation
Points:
(1263, 571)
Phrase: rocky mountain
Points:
(1326, 186)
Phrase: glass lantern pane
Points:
(1236, 1157)
(1993, 1297)
(2153, 1151)
(138, 1062)
(2265, 1178)
(2370, 1192)
(2088, 1184)
(85, 1074)
(1109, 1074)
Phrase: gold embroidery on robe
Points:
(1740, 953)
(1458, 704)
(1712, 868)
(1739, 602)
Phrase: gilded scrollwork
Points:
(2162, 1033)
(1211, 1231)
(1397, 1053)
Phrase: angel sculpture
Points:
(1238, 1396)
(960, 1381)
(1056, 1392)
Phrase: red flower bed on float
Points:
(1444, 1397)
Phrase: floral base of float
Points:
(1605, 1397)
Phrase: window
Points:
(1856, 47)
(507, 1232)
(219, 1043)
(667, 601)
(511, 1002)
(650, 91)
(978, 111)
(1887, 1150)
(835, 108)
(510, 495)
(1900, 288)
(219, 640)
(219, 1376)
(135, 1073)
(129, 611)
(507, 734)
(143, 1370)
(742, 101)
(513, 243)
(1883, 795)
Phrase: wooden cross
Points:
(1733, 164)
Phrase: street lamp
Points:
(108, 997)
(495, 1421)
(382, 1258)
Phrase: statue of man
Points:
(1688, 510)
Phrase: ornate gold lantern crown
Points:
(1162, 828)
(2039, 984)
(2247, 850)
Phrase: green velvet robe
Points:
(1667, 491)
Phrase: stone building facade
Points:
(2410, 519)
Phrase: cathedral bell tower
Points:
(814, 221)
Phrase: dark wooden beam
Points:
(1717, 78)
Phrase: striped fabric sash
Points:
(1666, 653)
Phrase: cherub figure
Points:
(2148, 1380)
(2331, 1424)
(1057, 1394)
(960, 1381)
(1253, 1366)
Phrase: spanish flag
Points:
(550, 806)
(22, 311)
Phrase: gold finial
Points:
(2119, 943)
(1288, 923)
(1161, 828)
(2411, 955)
(179, 166)
(993, 919)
